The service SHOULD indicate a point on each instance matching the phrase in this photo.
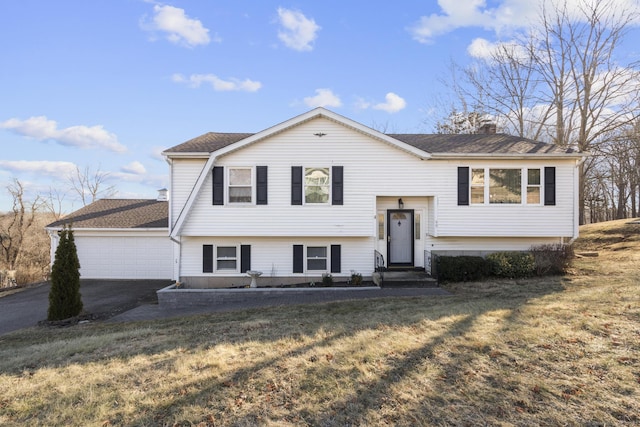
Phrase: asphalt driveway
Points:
(105, 298)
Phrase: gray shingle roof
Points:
(208, 142)
(479, 144)
(119, 213)
(430, 143)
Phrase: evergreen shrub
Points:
(65, 300)
(461, 268)
(511, 265)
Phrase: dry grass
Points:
(554, 351)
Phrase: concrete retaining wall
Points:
(172, 298)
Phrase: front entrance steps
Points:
(404, 279)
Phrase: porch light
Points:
(400, 204)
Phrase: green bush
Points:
(356, 279)
(461, 268)
(511, 265)
(552, 259)
(64, 297)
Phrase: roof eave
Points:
(187, 155)
(120, 229)
(509, 156)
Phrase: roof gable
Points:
(118, 214)
(223, 143)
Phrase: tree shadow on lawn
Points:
(365, 395)
(344, 320)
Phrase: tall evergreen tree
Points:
(64, 297)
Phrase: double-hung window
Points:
(317, 184)
(317, 258)
(477, 186)
(226, 258)
(533, 186)
(240, 185)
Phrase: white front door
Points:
(400, 237)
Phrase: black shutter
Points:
(207, 258)
(337, 185)
(245, 258)
(296, 185)
(218, 185)
(336, 259)
(298, 259)
(463, 186)
(550, 186)
(261, 182)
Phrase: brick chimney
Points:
(487, 129)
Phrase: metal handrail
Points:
(379, 261)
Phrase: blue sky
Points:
(108, 84)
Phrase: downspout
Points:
(576, 190)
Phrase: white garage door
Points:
(140, 257)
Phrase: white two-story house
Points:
(322, 194)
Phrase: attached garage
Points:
(120, 239)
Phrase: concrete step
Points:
(407, 279)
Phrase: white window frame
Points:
(218, 258)
(304, 185)
(524, 186)
(484, 186)
(252, 185)
(538, 186)
(325, 258)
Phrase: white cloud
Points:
(135, 168)
(298, 32)
(505, 17)
(323, 98)
(42, 129)
(179, 28)
(483, 49)
(44, 167)
(393, 103)
(219, 85)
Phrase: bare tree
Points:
(91, 185)
(15, 224)
(565, 82)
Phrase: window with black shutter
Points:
(550, 186)
(463, 186)
(218, 185)
(207, 258)
(261, 185)
(298, 259)
(296, 185)
(336, 259)
(245, 258)
(337, 185)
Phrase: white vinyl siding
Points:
(124, 255)
(274, 255)
(373, 169)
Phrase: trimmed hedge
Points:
(539, 261)
(461, 268)
(511, 265)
